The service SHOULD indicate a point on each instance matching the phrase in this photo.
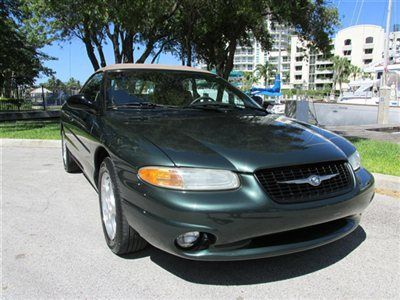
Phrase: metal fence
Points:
(33, 103)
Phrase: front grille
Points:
(286, 193)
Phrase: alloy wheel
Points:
(108, 205)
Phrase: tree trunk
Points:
(229, 60)
(114, 37)
(159, 52)
(90, 53)
(99, 48)
(127, 48)
(146, 53)
(189, 53)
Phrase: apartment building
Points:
(360, 44)
(302, 68)
(247, 58)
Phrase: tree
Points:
(126, 25)
(341, 71)
(55, 85)
(354, 71)
(220, 26)
(265, 71)
(208, 30)
(72, 85)
(248, 80)
(20, 59)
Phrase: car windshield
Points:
(151, 89)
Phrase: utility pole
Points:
(384, 98)
(280, 58)
(43, 99)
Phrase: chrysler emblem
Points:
(314, 180)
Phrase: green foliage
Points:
(248, 80)
(20, 60)
(265, 71)
(354, 71)
(11, 104)
(341, 71)
(378, 156)
(56, 86)
(208, 30)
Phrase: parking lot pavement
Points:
(53, 247)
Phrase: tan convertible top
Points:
(150, 67)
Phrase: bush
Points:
(14, 104)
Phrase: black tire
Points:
(126, 239)
(70, 166)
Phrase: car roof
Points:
(151, 67)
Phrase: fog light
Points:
(188, 239)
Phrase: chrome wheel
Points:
(108, 205)
(64, 149)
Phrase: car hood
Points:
(236, 142)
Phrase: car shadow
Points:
(255, 271)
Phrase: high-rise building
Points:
(303, 68)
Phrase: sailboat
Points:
(273, 91)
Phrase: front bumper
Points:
(245, 223)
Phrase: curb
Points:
(30, 143)
(387, 182)
(382, 182)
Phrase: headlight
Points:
(355, 160)
(190, 178)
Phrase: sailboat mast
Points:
(384, 101)
(386, 48)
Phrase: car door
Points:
(83, 121)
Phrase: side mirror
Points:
(259, 100)
(80, 102)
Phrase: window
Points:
(368, 51)
(166, 89)
(347, 52)
(369, 40)
(347, 42)
(367, 61)
(299, 58)
(298, 68)
(297, 77)
(91, 90)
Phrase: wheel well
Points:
(100, 155)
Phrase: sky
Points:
(72, 61)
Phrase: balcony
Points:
(323, 80)
(368, 46)
(323, 71)
(368, 56)
(347, 47)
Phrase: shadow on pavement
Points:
(255, 271)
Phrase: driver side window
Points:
(92, 88)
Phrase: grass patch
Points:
(46, 130)
(378, 156)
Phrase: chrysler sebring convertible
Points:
(186, 162)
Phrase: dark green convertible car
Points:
(183, 160)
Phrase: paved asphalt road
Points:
(53, 247)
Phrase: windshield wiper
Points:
(221, 106)
(137, 105)
(213, 106)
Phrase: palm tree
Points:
(248, 80)
(354, 71)
(341, 71)
(264, 71)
